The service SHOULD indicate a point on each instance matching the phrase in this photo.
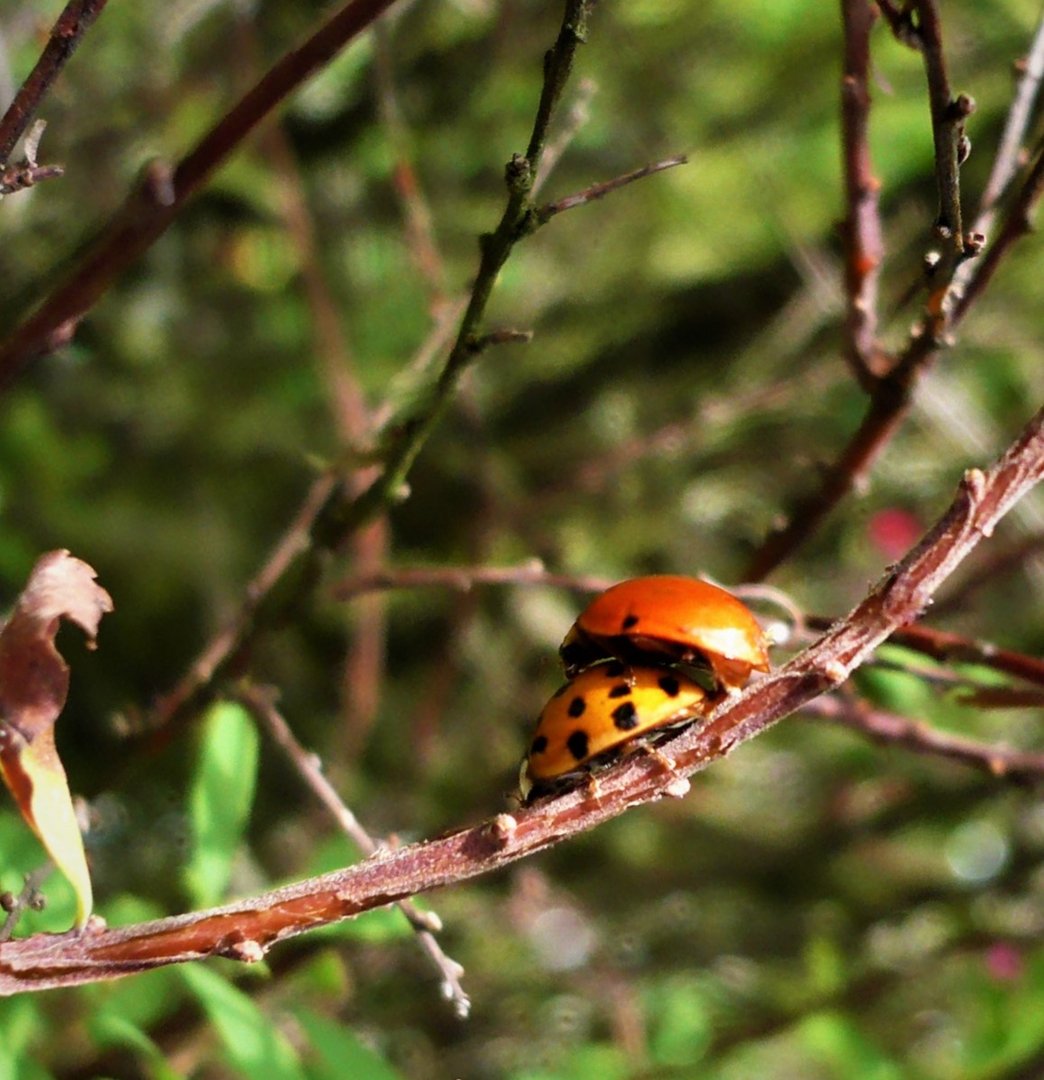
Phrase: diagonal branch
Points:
(1007, 161)
(65, 35)
(246, 930)
(863, 242)
(260, 702)
(344, 511)
(893, 391)
(886, 727)
(948, 116)
(162, 192)
(893, 395)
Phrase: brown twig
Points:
(29, 898)
(1017, 224)
(260, 702)
(344, 511)
(996, 563)
(863, 242)
(948, 116)
(65, 36)
(25, 174)
(245, 930)
(892, 393)
(465, 578)
(892, 396)
(947, 647)
(889, 728)
(899, 20)
(293, 549)
(1008, 159)
(363, 669)
(600, 190)
(941, 645)
(159, 196)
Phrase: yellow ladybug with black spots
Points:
(599, 713)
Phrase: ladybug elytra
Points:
(668, 619)
(590, 720)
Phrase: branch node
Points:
(518, 175)
(678, 788)
(835, 672)
(974, 483)
(974, 242)
(500, 830)
(962, 106)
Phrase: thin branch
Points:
(26, 174)
(65, 36)
(891, 729)
(364, 663)
(161, 193)
(941, 645)
(943, 311)
(260, 702)
(1017, 224)
(863, 241)
(465, 578)
(947, 647)
(893, 395)
(558, 65)
(900, 22)
(997, 563)
(1008, 159)
(948, 116)
(246, 930)
(344, 511)
(294, 551)
(599, 191)
(30, 898)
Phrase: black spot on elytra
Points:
(669, 685)
(577, 707)
(629, 623)
(539, 745)
(577, 744)
(620, 690)
(625, 716)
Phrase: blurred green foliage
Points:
(818, 906)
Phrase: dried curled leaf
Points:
(34, 682)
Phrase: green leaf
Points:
(253, 1044)
(110, 1029)
(340, 1052)
(20, 1024)
(220, 800)
(838, 1043)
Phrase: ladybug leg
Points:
(593, 788)
(650, 750)
(666, 763)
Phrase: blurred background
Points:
(818, 906)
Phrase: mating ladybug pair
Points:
(648, 654)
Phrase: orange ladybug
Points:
(591, 720)
(667, 619)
